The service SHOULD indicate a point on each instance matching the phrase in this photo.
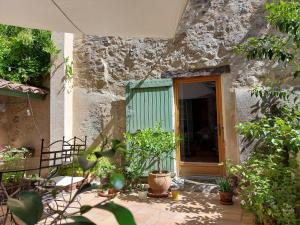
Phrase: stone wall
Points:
(17, 129)
(206, 37)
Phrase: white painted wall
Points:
(61, 92)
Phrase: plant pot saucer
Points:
(226, 203)
(152, 195)
(101, 194)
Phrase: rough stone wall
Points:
(206, 37)
(17, 128)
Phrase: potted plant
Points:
(142, 191)
(105, 189)
(149, 147)
(225, 191)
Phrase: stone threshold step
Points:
(203, 184)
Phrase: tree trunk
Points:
(158, 165)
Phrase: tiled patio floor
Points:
(194, 208)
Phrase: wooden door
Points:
(198, 113)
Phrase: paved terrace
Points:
(194, 208)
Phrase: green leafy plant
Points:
(142, 187)
(283, 44)
(25, 54)
(11, 155)
(224, 185)
(68, 68)
(267, 180)
(268, 189)
(146, 148)
(104, 167)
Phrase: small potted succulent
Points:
(142, 191)
(225, 191)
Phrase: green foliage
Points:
(70, 170)
(268, 189)
(12, 155)
(277, 131)
(29, 203)
(147, 147)
(224, 185)
(122, 215)
(268, 47)
(68, 68)
(104, 168)
(284, 15)
(117, 181)
(267, 180)
(25, 54)
(282, 46)
(102, 154)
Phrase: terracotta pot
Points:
(226, 198)
(105, 193)
(159, 182)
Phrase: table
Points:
(20, 165)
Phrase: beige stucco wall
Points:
(18, 129)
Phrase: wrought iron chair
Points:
(56, 190)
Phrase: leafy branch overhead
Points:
(25, 54)
(284, 44)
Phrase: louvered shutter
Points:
(149, 102)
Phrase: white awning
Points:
(125, 18)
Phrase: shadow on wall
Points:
(115, 127)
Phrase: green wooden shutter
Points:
(147, 103)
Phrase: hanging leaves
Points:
(122, 214)
(28, 207)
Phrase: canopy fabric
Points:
(124, 18)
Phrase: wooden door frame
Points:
(190, 168)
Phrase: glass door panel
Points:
(198, 122)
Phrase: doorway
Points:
(199, 125)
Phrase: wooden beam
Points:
(200, 72)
